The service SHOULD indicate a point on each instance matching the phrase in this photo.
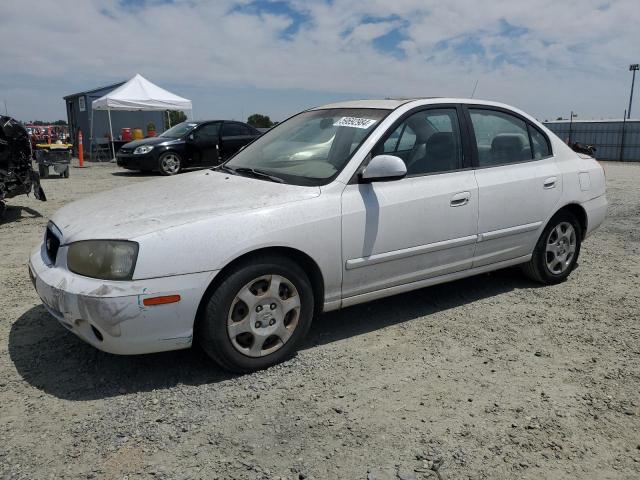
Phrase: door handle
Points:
(460, 199)
(550, 183)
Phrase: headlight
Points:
(143, 149)
(104, 259)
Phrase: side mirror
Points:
(384, 167)
(190, 137)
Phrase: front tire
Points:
(556, 251)
(170, 163)
(258, 315)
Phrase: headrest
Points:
(441, 140)
(507, 141)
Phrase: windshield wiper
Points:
(224, 168)
(254, 172)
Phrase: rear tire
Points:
(43, 171)
(556, 251)
(258, 315)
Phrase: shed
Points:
(79, 116)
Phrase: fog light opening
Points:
(97, 333)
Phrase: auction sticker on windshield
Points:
(355, 122)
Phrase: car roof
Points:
(208, 121)
(393, 103)
(387, 104)
(198, 122)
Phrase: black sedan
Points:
(188, 144)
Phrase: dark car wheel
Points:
(258, 315)
(169, 163)
(43, 171)
(557, 250)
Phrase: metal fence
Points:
(613, 139)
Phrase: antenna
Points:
(474, 89)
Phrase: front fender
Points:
(311, 226)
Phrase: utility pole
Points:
(632, 68)
(624, 123)
(571, 125)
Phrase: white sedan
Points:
(384, 197)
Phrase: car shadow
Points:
(367, 317)
(138, 173)
(16, 214)
(53, 360)
(135, 173)
(52, 176)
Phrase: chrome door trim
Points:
(409, 252)
(505, 232)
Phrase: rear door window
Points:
(245, 129)
(501, 138)
(230, 129)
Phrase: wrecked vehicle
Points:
(17, 176)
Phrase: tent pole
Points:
(113, 151)
(169, 118)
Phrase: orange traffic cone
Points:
(80, 149)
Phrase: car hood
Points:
(136, 210)
(149, 141)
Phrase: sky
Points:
(233, 58)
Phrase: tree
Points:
(260, 121)
(44, 122)
(176, 116)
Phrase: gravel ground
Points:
(489, 377)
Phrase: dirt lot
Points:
(489, 377)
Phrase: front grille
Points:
(51, 245)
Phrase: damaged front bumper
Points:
(111, 315)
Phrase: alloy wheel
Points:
(170, 163)
(263, 315)
(560, 248)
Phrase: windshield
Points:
(178, 130)
(310, 148)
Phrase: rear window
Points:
(539, 143)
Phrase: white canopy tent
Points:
(138, 94)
